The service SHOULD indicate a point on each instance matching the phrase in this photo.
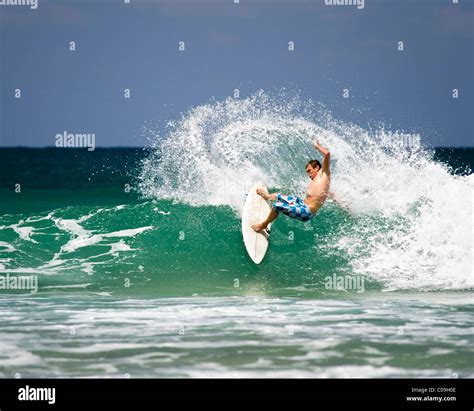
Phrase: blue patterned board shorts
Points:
(293, 207)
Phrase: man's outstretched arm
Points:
(327, 157)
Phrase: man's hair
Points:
(313, 163)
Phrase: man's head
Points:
(312, 168)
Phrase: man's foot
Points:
(258, 227)
(262, 193)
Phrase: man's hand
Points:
(320, 148)
(326, 160)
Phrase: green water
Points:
(140, 286)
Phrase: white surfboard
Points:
(255, 211)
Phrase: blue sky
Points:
(230, 46)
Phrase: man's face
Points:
(311, 171)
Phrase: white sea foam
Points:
(80, 237)
(86, 239)
(201, 337)
(6, 247)
(24, 232)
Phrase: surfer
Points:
(296, 207)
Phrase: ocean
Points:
(133, 264)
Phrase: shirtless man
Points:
(296, 207)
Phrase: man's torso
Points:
(318, 191)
